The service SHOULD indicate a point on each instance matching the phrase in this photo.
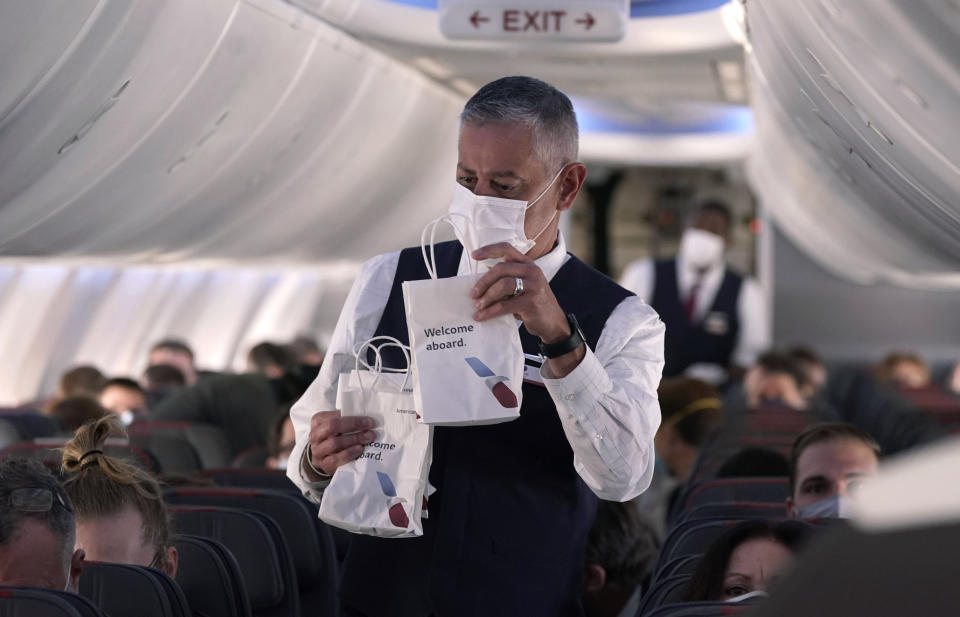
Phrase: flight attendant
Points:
(514, 502)
(717, 319)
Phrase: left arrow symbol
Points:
(476, 19)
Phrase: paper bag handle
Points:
(431, 263)
(378, 362)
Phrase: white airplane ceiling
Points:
(184, 130)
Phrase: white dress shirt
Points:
(607, 405)
(753, 337)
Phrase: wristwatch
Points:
(567, 345)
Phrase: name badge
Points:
(716, 323)
(531, 375)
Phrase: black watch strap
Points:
(567, 345)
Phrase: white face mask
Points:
(495, 219)
(837, 506)
(701, 249)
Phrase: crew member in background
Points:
(717, 320)
(508, 524)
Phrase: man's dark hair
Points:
(173, 345)
(827, 431)
(707, 581)
(712, 206)
(755, 463)
(125, 383)
(31, 474)
(623, 543)
(775, 362)
(691, 406)
(802, 353)
(81, 380)
(546, 111)
(164, 377)
(268, 354)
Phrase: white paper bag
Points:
(382, 493)
(464, 372)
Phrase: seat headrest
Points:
(297, 522)
(19, 601)
(250, 542)
(123, 590)
(213, 586)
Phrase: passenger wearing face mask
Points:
(716, 319)
(827, 462)
(515, 501)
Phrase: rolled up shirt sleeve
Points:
(608, 404)
(358, 321)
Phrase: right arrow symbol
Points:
(588, 20)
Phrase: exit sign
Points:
(587, 20)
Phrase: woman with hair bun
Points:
(119, 508)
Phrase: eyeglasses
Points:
(36, 499)
(157, 562)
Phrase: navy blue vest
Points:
(713, 338)
(509, 521)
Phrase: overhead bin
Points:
(858, 147)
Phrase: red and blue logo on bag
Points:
(398, 515)
(495, 383)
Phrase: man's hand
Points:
(335, 441)
(536, 307)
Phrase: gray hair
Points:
(534, 104)
(23, 473)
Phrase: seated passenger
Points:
(307, 351)
(776, 381)
(74, 412)
(120, 512)
(755, 463)
(81, 381)
(690, 410)
(814, 370)
(748, 557)
(621, 554)
(78, 381)
(124, 397)
(905, 370)
(176, 353)
(828, 461)
(37, 531)
(271, 360)
(282, 440)
(160, 381)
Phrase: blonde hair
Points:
(101, 485)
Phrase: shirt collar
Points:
(549, 263)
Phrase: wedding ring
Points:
(518, 289)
